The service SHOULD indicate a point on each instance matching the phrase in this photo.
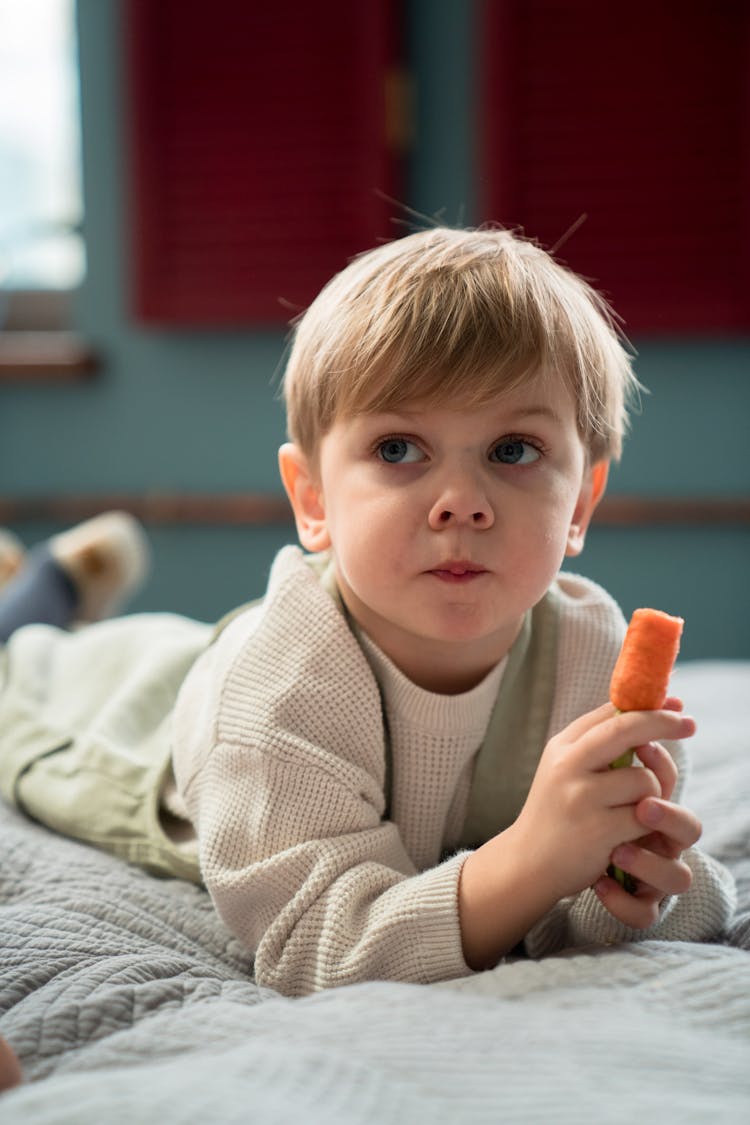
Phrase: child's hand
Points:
(654, 859)
(579, 810)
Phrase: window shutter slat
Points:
(259, 152)
(637, 116)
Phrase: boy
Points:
(396, 765)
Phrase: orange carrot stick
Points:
(640, 679)
(641, 675)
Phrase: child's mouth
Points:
(458, 572)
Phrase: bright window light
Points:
(41, 203)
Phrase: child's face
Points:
(447, 525)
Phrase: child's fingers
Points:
(673, 703)
(609, 739)
(637, 911)
(660, 845)
(668, 876)
(627, 787)
(656, 758)
(593, 718)
(674, 822)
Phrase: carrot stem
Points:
(623, 878)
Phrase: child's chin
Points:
(461, 631)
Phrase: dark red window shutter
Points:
(260, 152)
(638, 116)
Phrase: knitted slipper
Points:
(12, 555)
(107, 558)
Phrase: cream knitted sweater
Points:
(279, 756)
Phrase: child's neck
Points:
(439, 666)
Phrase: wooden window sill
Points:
(253, 509)
(46, 357)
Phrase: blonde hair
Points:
(446, 316)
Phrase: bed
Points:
(128, 1001)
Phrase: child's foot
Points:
(10, 1068)
(107, 558)
(12, 555)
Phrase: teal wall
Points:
(197, 411)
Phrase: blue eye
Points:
(514, 451)
(398, 451)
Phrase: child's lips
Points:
(459, 571)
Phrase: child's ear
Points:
(305, 497)
(592, 490)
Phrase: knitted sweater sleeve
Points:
(591, 632)
(279, 755)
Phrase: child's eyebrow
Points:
(536, 411)
(514, 414)
(384, 417)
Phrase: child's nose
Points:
(461, 502)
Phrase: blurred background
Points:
(178, 179)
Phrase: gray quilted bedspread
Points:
(128, 1001)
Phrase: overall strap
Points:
(517, 730)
